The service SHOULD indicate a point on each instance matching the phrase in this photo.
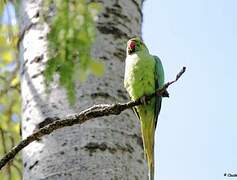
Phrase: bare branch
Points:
(90, 113)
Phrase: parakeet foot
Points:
(144, 100)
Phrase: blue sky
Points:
(8, 15)
(196, 134)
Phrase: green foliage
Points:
(2, 4)
(9, 97)
(71, 38)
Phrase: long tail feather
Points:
(148, 131)
(152, 170)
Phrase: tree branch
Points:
(90, 113)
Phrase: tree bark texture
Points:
(98, 149)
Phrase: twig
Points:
(5, 151)
(90, 113)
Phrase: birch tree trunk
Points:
(107, 148)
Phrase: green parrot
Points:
(143, 75)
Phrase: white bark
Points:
(99, 149)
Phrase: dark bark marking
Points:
(140, 161)
(100, 94)
(55, 106)
(37, 74)
(139, 140)
(116, 11)
(37, 59)
(109, 28)
(36, 15)
(93, 146)
(105, 15)
(104, 58)
(122, 94)
(120, 54)
(33, 165)
(26, 60)
(129, 148)
(64, 144)
(24, 69)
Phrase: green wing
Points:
(159, 81)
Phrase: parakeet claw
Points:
(144, 100)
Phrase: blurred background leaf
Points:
(71, 38)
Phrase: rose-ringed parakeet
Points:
(143, 75)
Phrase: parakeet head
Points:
(135, 45)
